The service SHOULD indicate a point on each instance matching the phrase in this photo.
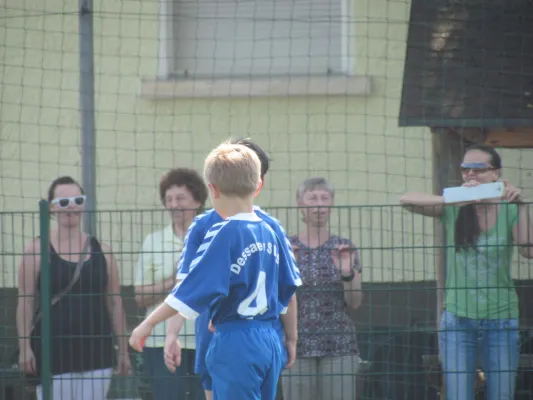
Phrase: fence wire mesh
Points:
(351, 90)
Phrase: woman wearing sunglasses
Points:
(480, 311)
(86, 304)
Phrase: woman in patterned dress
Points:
(328, 356)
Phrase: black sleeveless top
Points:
(81, 332)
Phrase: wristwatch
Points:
(348, 278)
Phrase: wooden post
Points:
(448, 149)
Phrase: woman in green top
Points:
(481, 305)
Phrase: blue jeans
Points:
(182, 384)
(463, 341)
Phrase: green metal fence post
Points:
(45, 300)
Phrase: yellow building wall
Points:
(355, 142)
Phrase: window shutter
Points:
(257, 37)
(469, 63)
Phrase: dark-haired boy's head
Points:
(261, 154)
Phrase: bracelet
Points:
(348, 278)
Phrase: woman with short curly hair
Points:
(183, 194)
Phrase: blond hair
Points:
(234, 169)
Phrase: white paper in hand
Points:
(481, 192)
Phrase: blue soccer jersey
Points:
(236, 274)
(195, 236)
(204, 222)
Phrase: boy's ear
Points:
(213, 191)
(258, 190)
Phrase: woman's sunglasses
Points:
(64, 202)
(475, 167)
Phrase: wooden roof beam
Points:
(517, 138)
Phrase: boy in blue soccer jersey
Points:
(286, 326)
(241, 275)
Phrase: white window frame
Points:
(343, 83)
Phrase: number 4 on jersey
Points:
(260, 297)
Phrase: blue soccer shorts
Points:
(207, 382)
(245, 361)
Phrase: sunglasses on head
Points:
(475, 167)
(64, 202)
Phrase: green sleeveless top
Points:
(478, 280)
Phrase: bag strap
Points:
(74, 279)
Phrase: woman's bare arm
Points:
(353, 295)
(426, 204)
(148, 295)
(28, 271)
(114, 300)
(523, 231)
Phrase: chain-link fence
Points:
(385, 346)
